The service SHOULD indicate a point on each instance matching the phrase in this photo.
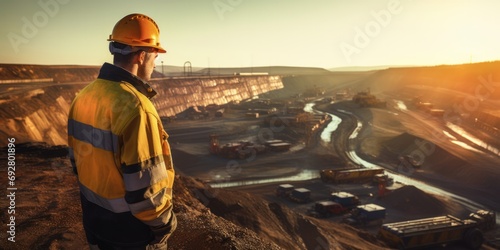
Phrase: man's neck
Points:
(132, 68)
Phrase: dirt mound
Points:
(435, 160)
(401, 141)
(255, 214)
(414, 201)
(199, 228)
(426, 154)
(276, 223)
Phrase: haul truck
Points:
(324, 209)
(300, 195)
(284, 190)
(438, 231)
(366, 215)
(339, 203)
(233, 150)
(244, 149)
(349, 175)
(347, 200)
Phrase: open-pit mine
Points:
(287, 158)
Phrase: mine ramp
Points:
(436, 231)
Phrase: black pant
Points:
(109, 230)
(96, 244)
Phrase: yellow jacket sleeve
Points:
(147, 169)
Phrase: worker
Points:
(119, 149)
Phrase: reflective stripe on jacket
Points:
(119, 149)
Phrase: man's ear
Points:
(141, 57)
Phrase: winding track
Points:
(347, 151)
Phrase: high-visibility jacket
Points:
(119, 150)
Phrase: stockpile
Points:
(412, 200)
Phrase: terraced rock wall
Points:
(35, 112)
(176, 95)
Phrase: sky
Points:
(251, 33)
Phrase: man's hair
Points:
(122, 59)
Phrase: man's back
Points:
(119, 150)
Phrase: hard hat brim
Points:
(158, 47)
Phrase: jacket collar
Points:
(117, 74)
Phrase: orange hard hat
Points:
(137, 30)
